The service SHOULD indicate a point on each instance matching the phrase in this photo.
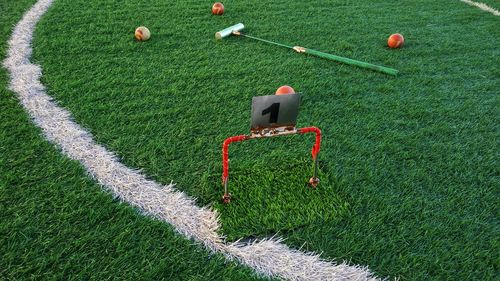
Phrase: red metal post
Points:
(317, 144)
(225, 163)
(314, 181)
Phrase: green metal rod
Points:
(267, 41)
(379, 68)
(382, 69)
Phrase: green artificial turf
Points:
(408, 164)
(193, 105)
(57, 224)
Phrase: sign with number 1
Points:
(274, 111)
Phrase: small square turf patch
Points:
(266, 201)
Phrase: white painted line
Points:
(268, 257)
(483, 7)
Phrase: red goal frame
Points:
(272, 132)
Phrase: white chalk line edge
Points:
(483, 7)
(269, 257)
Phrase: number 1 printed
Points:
(274, 110)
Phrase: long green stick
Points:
(387, 70)
(379, 68)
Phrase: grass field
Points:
(56, 223)
(408, 164)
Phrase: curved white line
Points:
(483, 7)
(269, 257)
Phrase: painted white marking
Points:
(483, 7)
(269, 257)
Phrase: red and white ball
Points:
(218, 9)
(395, 41)
(142, 33)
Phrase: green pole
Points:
(267, 41)
(378, 68)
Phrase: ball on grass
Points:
(142, 33)
(395, 41)
(284, 90)
(218, 8)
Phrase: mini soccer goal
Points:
(273, 115)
